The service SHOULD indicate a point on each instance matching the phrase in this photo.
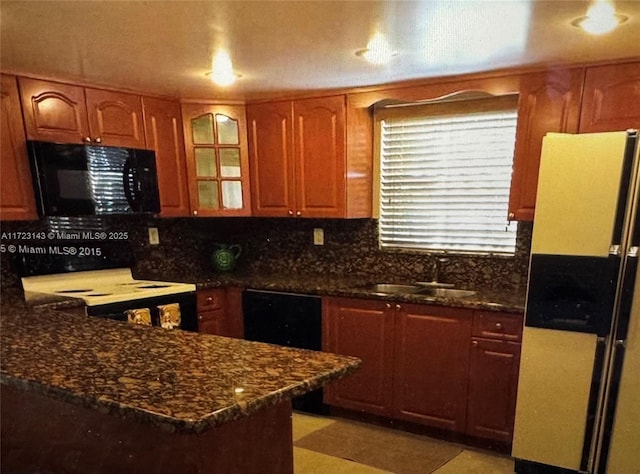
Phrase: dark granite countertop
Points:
(357, 287)
(178, 380)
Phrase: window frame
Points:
(457, 103)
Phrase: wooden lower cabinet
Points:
(220, 312)
(431, 365)
(493, 383)
(454, 369)
(363, 329)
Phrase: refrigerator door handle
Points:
(632, 252)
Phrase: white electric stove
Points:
(98, 287)
(112, 293)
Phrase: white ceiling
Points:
(166, 47)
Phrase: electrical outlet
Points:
(318, 236)
(154, 237)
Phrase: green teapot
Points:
(224, 257)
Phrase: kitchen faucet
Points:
(436, 268)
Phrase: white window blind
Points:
(445, 180)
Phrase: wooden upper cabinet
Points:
(270, 131)
(319, 150)
(67, 113)
(549, 102)
(217, 159)
(163, 129)
(54, 112)
(310, 158)
(611, 99)
(115, 118)
(16, 191)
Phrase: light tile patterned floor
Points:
(310, 462)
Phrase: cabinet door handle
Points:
(398, 306)
(195, 213)
(474, 343)
(388, 305)
(98, 140)
(290, 212)
(87, 139)
(298, 213)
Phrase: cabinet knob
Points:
(388, 305)
(474, 343)
(398, 306)
(98, 140)
(195, 213)
(298, 213)
(498, 325)
(87, 139)
(199, 318)
(209, 299)
(511, 216)
(290, 212)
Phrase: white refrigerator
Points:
(578, 405)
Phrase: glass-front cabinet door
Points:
(216, 141)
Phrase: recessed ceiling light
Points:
(378, 50)
(601, 18)
(222, 72)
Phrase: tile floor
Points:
(469, 461)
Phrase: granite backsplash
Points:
(272, 246)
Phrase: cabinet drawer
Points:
(210, 299)
(498, 325)
(212, 322)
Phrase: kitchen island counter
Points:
(172, 381)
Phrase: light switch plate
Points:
(154, 237)
(318, 236)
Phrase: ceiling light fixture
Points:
(222, 72)
(601, 18)
(378, 50)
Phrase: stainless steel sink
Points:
(447, 292)
(393, 289)
(434, 284)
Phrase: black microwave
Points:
(82, 180)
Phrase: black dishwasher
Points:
(286, 319)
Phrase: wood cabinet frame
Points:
(237, 112)
(17, 198)
(310, 158)
(454, 369)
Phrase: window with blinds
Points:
(445, 175)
